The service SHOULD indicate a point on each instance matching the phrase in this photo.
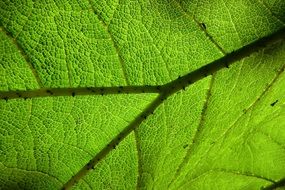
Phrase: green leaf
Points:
(142, 94)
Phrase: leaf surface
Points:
(137, 94)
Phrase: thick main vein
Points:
(171, 88)
(280, 183)
(263, 94)
(168, 88)
(198, 131)
(116, 140)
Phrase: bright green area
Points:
(118, 171)
(52, 138)
(233, 23)
(223, 132)
(15, 73)
(239, 132)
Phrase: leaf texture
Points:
(142, 94)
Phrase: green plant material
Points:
(142, 94)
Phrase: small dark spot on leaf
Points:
(203, 26)
(73, 94)
(91, 89)
(49, 92)
(89, 166)
(273, 103)
(185, 146)
(227, 65)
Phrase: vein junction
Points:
(164, 92)
(168, 89)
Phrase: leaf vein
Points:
(197, 133)
(23, 54)
(209, 36)
(270, 11)
(118, 52)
